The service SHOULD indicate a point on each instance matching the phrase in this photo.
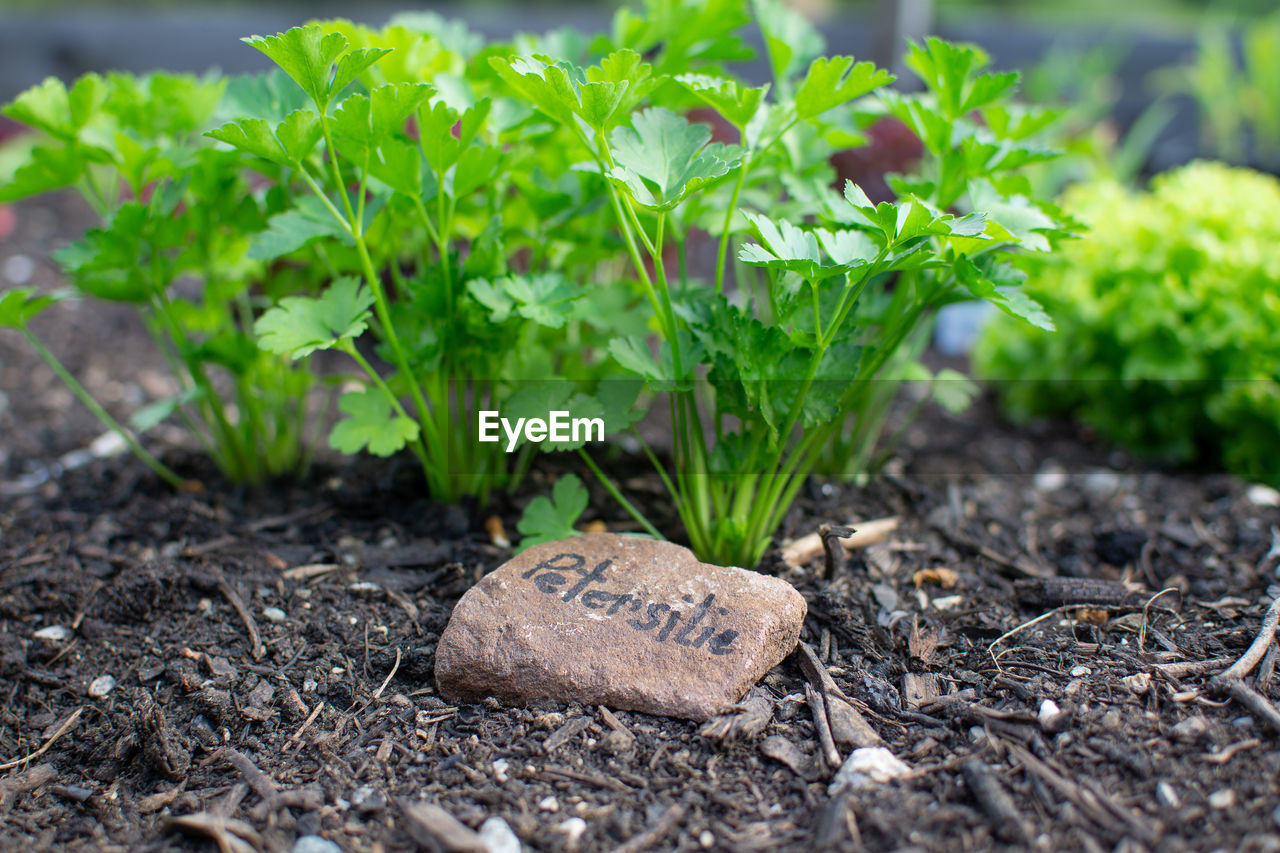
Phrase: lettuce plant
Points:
(1167, 312)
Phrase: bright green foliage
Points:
(507, 226)
(548, 519)
(300, 325)
(173, 210)
(1167, 313)
(373, 423)
(663, 157)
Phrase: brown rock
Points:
(619, 621)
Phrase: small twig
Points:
(297, 736)
(1007, 634)
(387, 680)
(818, 706)
(238, 603)
(831, 536)
(1253, 655)
(656, 833)
(1183, 668)
(31, 779)
(63, 729)
(1006, 821)
(1255, 702)
(802, 550)
(1146, 609)
(263, 785)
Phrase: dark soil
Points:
(328, 722)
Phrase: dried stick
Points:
(238, 603)
(656, 833)
(818, 706)
(63, 729)
(1253, 655)
(800, 551)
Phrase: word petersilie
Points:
(557, 427)
(553, 578)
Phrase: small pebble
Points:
(1051, 717)
(500, 768)
(54, 633)
(18, 269)
(867, 767)
(706, 840)
(273, 614)
(1260, 495)
(1137, 684)
(549, 804)
(1222, 799)
(309, 685)
(101, 686)
(976, 733)
(1050, 479)
(1080, 671)
(315, 844)
(368, 799)
(498, 836)
(574, 827)
(1167, 796)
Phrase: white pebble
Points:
(549, 804)
(315, 844)
(706, 840)
(1167, 796)
(18, 269)
(1050, 479)
(867, 767)
(574, 827)
(54, 633)
(1138, 684)
(1260, 495)
(1222, 799)
(273, 614)
(500, 768)
(1050, 717)
(498, 836)
(948, 602)
(101, 686)
(1080, 671)
(309, 685)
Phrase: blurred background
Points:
(1110, 60)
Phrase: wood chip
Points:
(785, 752)
(800, 551)
(435, 829)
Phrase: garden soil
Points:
(240, 668)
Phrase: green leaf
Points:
(307, 55)
(952, 390)
(270, 96)
(300, 325)
(352, 65)
(550, 519)
(737, 103)
(60, 113)
(288, 143)
(545, 299)
(790, 40)
(786, 247)
(600, 95)
(365, 121)
(47, 168)
(665, 158)
(19, 305)
(835, 80)
(372, 423)
(289, 231)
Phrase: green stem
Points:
(618, 496)
(161, 470)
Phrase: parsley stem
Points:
(618, 496)
(161, 470)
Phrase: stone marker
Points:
(618, 621)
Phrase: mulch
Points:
(242, 669)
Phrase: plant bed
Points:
(1035, 629)
(337, 712)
